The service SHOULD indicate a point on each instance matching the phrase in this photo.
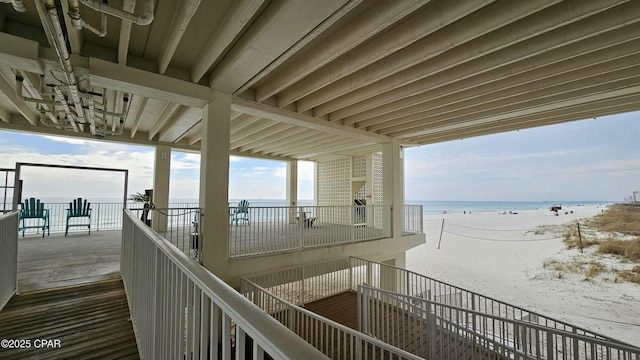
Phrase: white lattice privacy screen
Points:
(377, 186)
(359, 166)
(334, 189)
(334, 184)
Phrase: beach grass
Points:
(615, 231)
(618, 218)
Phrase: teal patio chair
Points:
(33, 208)
(241, 213)
(78, 209)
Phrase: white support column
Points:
(292, 189)
(391, 180)
(161, 174)
(214, 182)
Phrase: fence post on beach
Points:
(441, 230)
(580, 237)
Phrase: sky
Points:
(588, 160)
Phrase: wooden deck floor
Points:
(343, 308)
(58, 261)
(90, 322)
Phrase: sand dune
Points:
(499, 255)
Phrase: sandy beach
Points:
(499, 255)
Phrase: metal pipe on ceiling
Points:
(65, 60)
(145, 19)
(78, 23)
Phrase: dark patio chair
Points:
(33, 208)
(78, 209)
(241, 213)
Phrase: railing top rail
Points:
(339, 326)
(9, 214)
(497, 301)
(255, 322)
(520, 323)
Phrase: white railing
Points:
(280, 229)
(413, 219)
(304, 283)
(439, 331)
(365, 272)
(181, 310)
(8, 256)
(104, 216)
(331, 338)
(179, 226)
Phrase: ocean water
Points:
(453, 207)
(429, 207)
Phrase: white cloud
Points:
(68, 140)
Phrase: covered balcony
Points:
(345, 308)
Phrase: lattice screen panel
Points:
(377, 185)
(334, 189)
(359, 166)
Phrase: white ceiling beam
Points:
(279, 27)
(20, 105)
(379, 18)
(276, 128)
(125, 138)
(5, 115)
(580, 112)
(334, 150)
(565, 43)
(258, 126)
(170, 110)
(119, 77)
(125, 32)
(528, 70)
(137, 116)
(464, 41)
(241, 122)
(260, 156)
(512, 89)
(510, 23)
(19, 53)
(399, 37)
(290, 144)
(308, 38)
(179, 23)
(569, 91)
(288, 136)
(320, 146)
(233, 25)
(309, 122)
(461, 122)
(183, 120)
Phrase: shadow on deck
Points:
(343, 308)
(90, 322)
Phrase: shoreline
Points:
(502, 256)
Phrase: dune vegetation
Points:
(614, 232)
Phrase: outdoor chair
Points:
(241, 213)
(34, 209)
(78, 209)
(308, 221)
